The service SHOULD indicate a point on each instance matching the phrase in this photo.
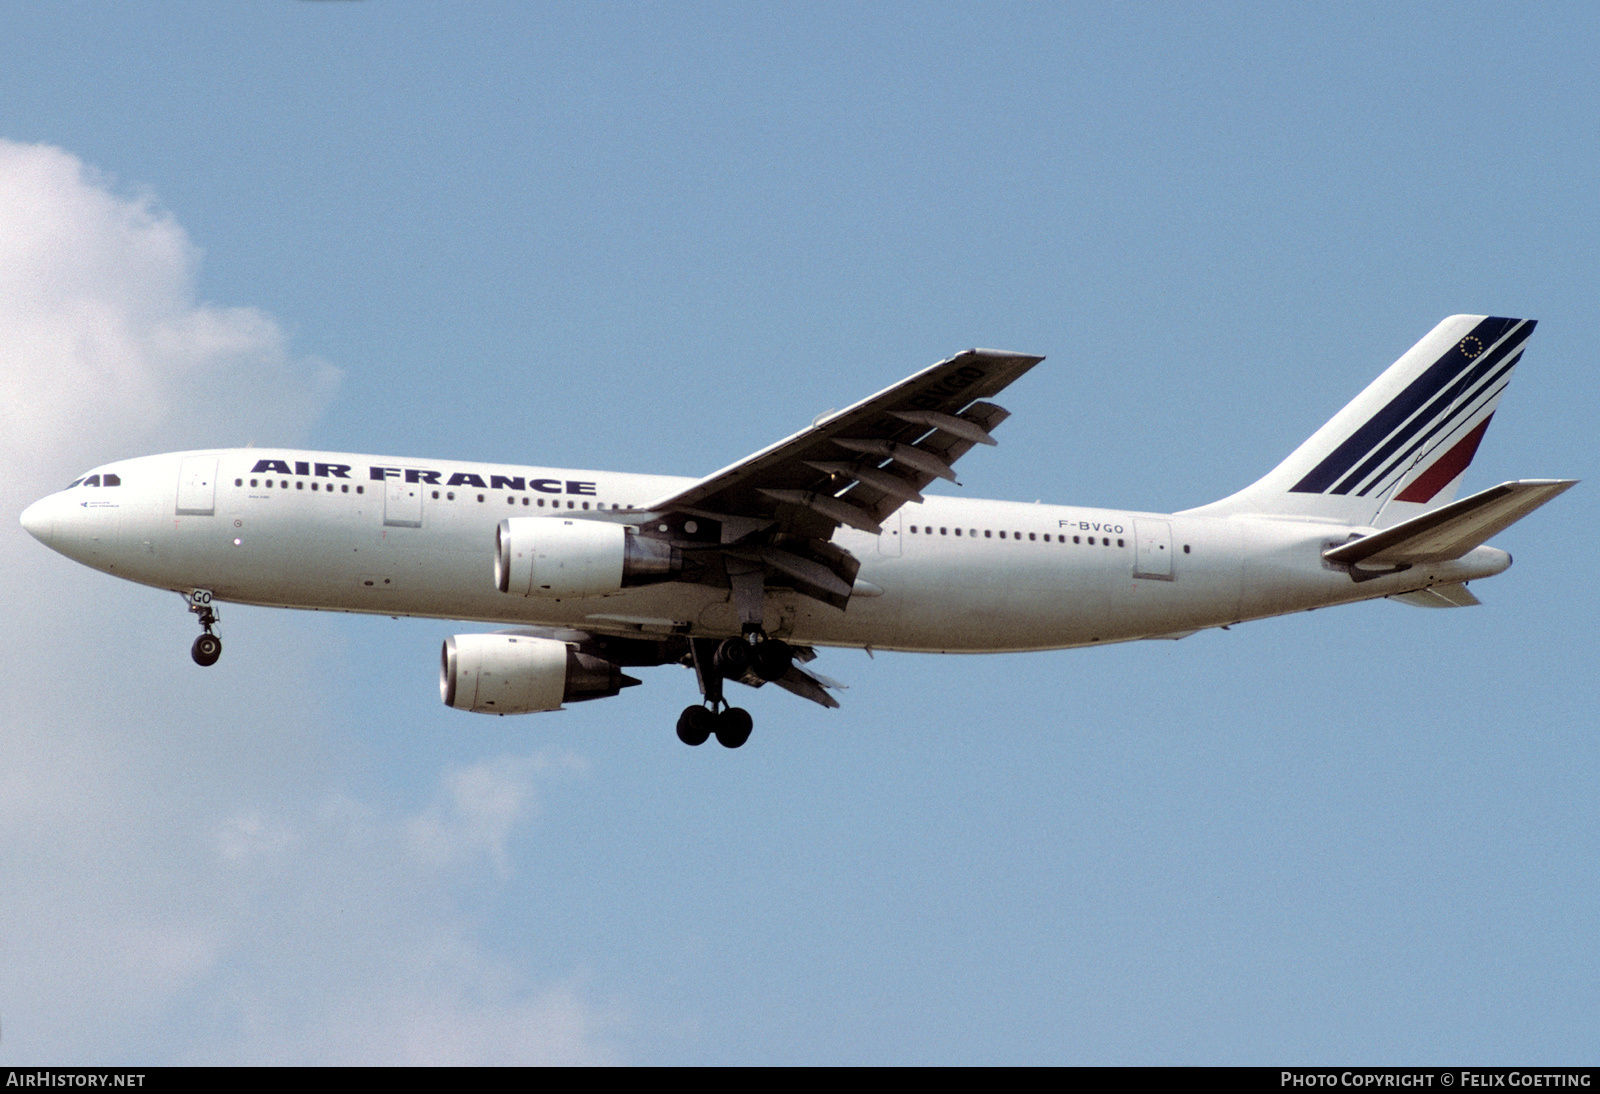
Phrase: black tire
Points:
(695, 725)
(733, 658)
(206, 649)
(773, 659)
(733, 727)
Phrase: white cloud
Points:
(106, 351)
(184, 879)
(482, 806)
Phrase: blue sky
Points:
(657, 238)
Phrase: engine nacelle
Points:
(561, 558)
(521, 674)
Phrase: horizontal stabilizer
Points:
(1451, 530)
(1440, 596)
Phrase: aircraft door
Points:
(402, 503)
(1152, 540)
(889, 538)
(197, 486)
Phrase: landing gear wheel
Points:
(772, 659)
(733, 727)
(695, 725)
(206, 649)
(733, 658)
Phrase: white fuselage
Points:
(416, 537)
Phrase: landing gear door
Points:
(1153, 549)
(402, 503)
(197, 486)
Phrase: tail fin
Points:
(1401, 446)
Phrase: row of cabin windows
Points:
(299, 484)
(988, 533)
(972, 533)
(450, 495)
(344, 488)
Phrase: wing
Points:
(902, 438)
(776, 511)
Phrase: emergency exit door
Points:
(402, 503)
(1152, 540)
(197, 486)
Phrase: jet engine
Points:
(559, 558)
(521, 674)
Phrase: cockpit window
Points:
(74, 482)
(96, 480)
(110, 480)
(92, 480)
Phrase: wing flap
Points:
(1451, 530)
(808, 686)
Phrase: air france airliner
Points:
(822, 539)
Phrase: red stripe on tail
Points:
(1443, 472)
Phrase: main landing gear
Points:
(732, 725)
(729, 659)
(208, 647)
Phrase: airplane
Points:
(822, 539)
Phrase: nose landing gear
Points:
(208, 647)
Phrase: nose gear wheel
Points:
(208, 647)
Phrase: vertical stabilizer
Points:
(1401, 446)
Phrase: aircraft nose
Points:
(38, 520)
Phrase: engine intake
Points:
(521, 674)
(560, 558)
